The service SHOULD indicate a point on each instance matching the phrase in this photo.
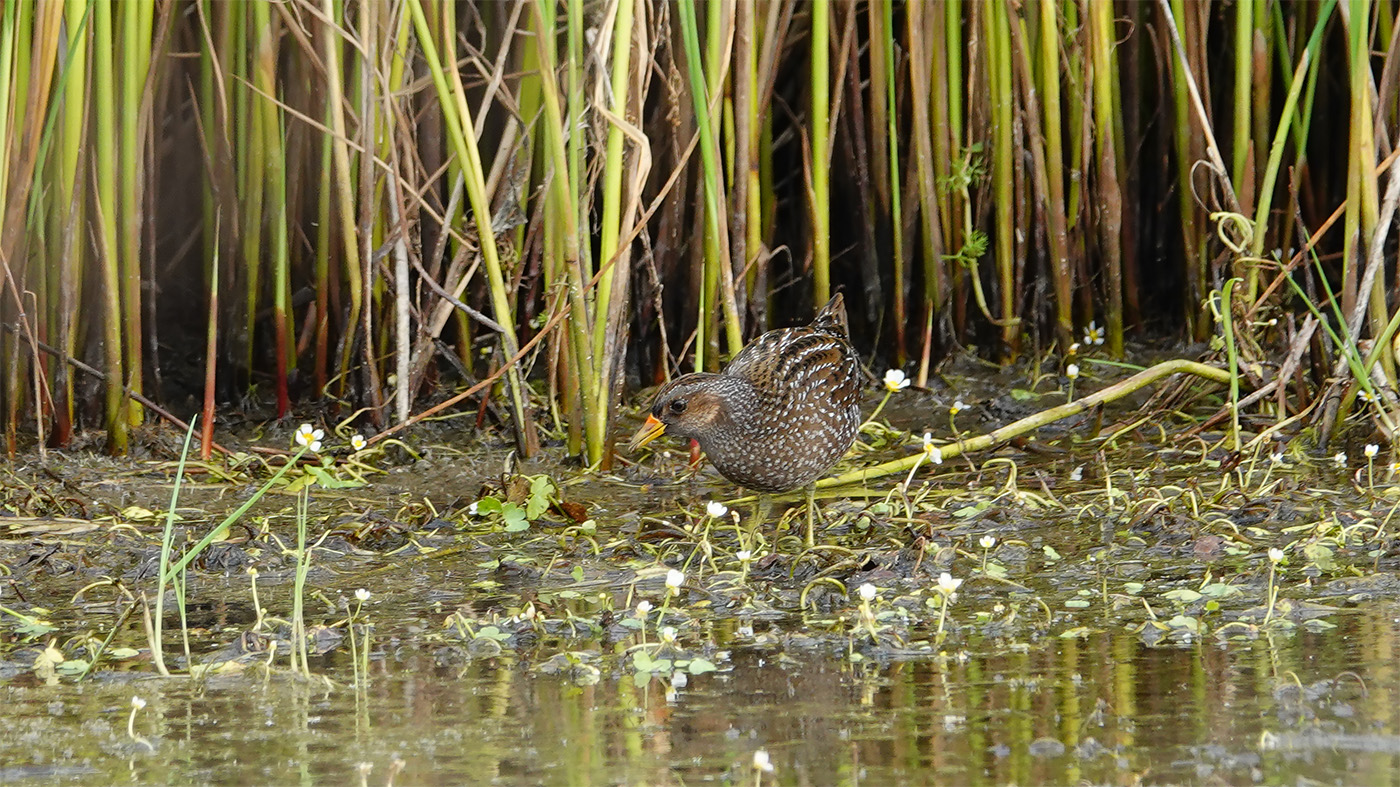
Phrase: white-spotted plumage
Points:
(784, 411)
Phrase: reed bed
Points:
(546, 204)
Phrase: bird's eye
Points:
(678, 406)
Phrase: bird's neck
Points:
(733, 423)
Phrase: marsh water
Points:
(1120, 621)
(1102, 709)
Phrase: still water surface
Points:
(1102, 709)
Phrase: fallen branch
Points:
(1032, 422)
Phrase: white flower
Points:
(1277, 457)
(1072, 371)
(643, 607)
(1077, 474)
(1371, 450)
(867, 592)
(957, 407)
(1093, 334)
(761, 762)
(674, 580)
(1275, 554)
(1340, 458)
(362, 595)
(716, 509)
(895, 381)
(471, 509)
(668, 634)
(358, 442)
(309, 436)
(987, 542)
(935, 454)
(1073, 348)
(1366, 396)
(744, 555)
(947, 585)
(138, 703)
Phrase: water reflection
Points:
(1104, 709)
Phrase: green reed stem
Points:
(821, 153)
(563, 212)
(997, 36)
(716, 235)
(1110, 196)
(457, 117)
(167, 545)
(104, 121)
(1244, 37)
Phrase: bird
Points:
(780, 415)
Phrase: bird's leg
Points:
(811, 513)
(762, 507)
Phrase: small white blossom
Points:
(643, 607)
(471, 509)
(947, 585)
(309, 436)
(1077, 474)
(362, 595)
(1275, 554)
(668, 634)
(358, 442)
(1340, 458)
(1072, 371)
(1073, 349)
(895, 381)
(987, 542)
(1277, 457)
(744, 555)
(1093, 334)
(935, 454)
(674, 580)
(1371, 450)
(957, 407)
(867, 592)
(761, 762)
(138, 703)
(1366, 396)
(716, 509)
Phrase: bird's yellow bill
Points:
(650, 430)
